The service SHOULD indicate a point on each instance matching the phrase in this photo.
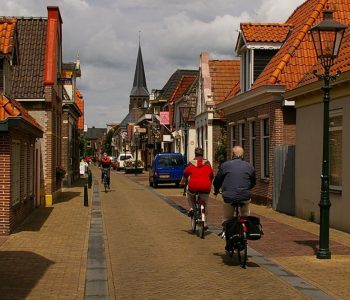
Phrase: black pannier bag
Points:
(231, 228)
(254, 228)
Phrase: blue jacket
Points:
(236, 178)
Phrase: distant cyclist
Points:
(105, 164)
(199, 175)
(236, 178)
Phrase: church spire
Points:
(139, 87)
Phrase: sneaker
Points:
(190, 213)
(109, 187)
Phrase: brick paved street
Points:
(151, 254)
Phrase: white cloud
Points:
(173, 34)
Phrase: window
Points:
(335, 149)
(241, 129)
(16, 172)
(265, 148)
(25, 169)
(252, 138)
(233, 136)
(31, 170)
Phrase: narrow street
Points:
(151, 253)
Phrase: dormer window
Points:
(253, 62)
(256, 45)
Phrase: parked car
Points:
(114, 163)
(166, 168)
(121, 158)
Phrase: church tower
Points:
(139, 95)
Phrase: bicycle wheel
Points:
(201, 229)
(194, 219)
(105, 183)
(242, 252)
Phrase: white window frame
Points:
(241, 134)
(252, 140)
(233, 136)
(265, 170)
(25, 169)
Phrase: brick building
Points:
(35, 86)
(19, 164)
(71, 113)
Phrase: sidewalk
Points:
(288, 241)
(46, 257)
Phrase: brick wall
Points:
(282, 132)
(11, 215)
(5, 183)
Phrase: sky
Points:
(172, 34)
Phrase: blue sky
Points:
(173, 34)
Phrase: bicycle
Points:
(105, 179)
(236, 234)
(198, 216)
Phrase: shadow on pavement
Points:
(20, 273)
(233, 261)
(35, 220)
(67, 196)
(310, 243)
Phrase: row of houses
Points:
(269, 101)
(41, 116)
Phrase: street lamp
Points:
(137, 135)
(327, 37)
(185, 112)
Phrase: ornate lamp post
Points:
(185, 112)
(327, 37)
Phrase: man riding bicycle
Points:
(236, 178)
(199, 174)
(105, 165)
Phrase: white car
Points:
(121, 158)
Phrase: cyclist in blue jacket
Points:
(236, 178)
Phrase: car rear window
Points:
(170, 161)
(125, 157)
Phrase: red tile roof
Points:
(297, 56)
(265, 32)
(182, 86)
(12, 108)
(7, 33)
(223, 74)
(79, 100)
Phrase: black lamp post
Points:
(185, 112)
(136, 136)
(327, 37)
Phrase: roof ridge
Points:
(268, 23)
(299, 38)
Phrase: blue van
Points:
(166, 168)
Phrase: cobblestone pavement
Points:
(46, 257)
(288, 241)
(153, 255)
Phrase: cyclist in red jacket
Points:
(199, 174)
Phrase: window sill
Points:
(336, 192)
(265, 180)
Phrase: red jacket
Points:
(200, 174)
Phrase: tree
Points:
(107, 144)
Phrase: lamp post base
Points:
(323, 254)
